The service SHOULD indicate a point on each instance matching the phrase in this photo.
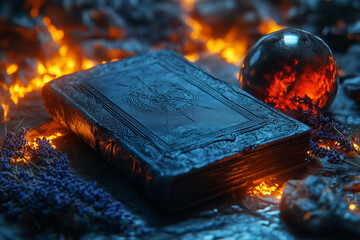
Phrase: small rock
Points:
(310, 205)
(352, 88)
(349, 62)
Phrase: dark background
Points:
(106, 30)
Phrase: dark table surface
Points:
(235, 216)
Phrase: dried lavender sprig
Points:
(326, 132)
(49, 190)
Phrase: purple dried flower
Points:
(329, 139)
(45, 188)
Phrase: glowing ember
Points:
(229, 47)
(11, 68)
(62, 63)
(290, 63)
(192, 57)
(354, 144)
(232, 46)
(50, 138)
(188, 4)
(6, 110)
(33, 144)
(352, 207)
(269, 26)
(266, 189)
(35, 7)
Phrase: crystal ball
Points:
(290, 63)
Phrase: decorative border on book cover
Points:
(183, 144)
(269, 124)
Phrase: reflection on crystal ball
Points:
(290, 63)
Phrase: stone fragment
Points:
(310, 205)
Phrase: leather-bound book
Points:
(177, 131)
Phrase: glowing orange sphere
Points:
(290, 63)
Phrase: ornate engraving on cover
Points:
(161, 97)
(168, 116)
(190, 146)
(177, 131)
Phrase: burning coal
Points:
(53, 38)
(269, 187)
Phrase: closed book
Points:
(178, 132)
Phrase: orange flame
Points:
(33, 143)
(63, 63)
(352, 207)
(268, 26)
(188, 5)
(11, 68)
(354, 144)
(266, 189)
(229, 47)
(286, 85)
(192, 57)
(34, 7)
(232, 47)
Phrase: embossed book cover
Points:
(177, 131)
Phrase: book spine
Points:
(71, 115)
